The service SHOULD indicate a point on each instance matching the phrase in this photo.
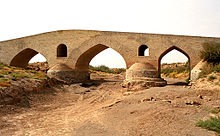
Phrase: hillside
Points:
(175, 70)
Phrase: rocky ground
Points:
(103, 107)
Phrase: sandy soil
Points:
(104, 108)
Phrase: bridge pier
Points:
(145, 74)
(139, 73)
(67, 74)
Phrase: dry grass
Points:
(9, 74)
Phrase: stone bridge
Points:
(69, 52)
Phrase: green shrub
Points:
(118, 70)
(187, 80)
(211, 52)
(2, 65)
(14, 78)
(101, 68)
(6, 72)
(4, 79)
(167, 71)
(211, 78)
(34, 72)
(106, 69)
(1, 75)
(179, 69)
(215, 110)
(211, 124)
(19, 75)
(216, 68)
(208, 69)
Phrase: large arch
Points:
(22, 58)
(167, 51)
(84, 59)
(80, 57)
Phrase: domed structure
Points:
(60, 66)
(64, 72)
(144, 72)
(137, 66)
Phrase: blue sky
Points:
(182, 17)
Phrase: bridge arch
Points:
(167, 51)
(23, 57)
(80, 58)
(85, 58)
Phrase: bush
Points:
(179, 69)
(216, 68)
(118, 70)
(167, 71)
(106, 69)
(187, 80)
(211, 78)
(208, 69)
(211, 52)
(1, 75)
(1, 64)
(101, 68)
(211, 124)
(215, 110)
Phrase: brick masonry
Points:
(83, 45)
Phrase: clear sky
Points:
(183, 17)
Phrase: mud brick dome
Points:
(144, 72)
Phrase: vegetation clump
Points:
(208, 69)
(175, 69)
(215, 110)
(211, 78)
(103, 68)
(9, 74)
(212, 123)
(210, 54)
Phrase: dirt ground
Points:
(104, 108)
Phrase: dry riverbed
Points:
(104, 108)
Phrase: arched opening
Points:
(23, 58)
(62, 50)
(174, 66)
(143, 50)
(110, 58)
(101, 58)
(38, 58)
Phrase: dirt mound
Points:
(17, 89)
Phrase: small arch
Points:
(143, 50)
(62, 50)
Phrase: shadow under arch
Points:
(85, 58)
(167, 51)
(23, 57)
